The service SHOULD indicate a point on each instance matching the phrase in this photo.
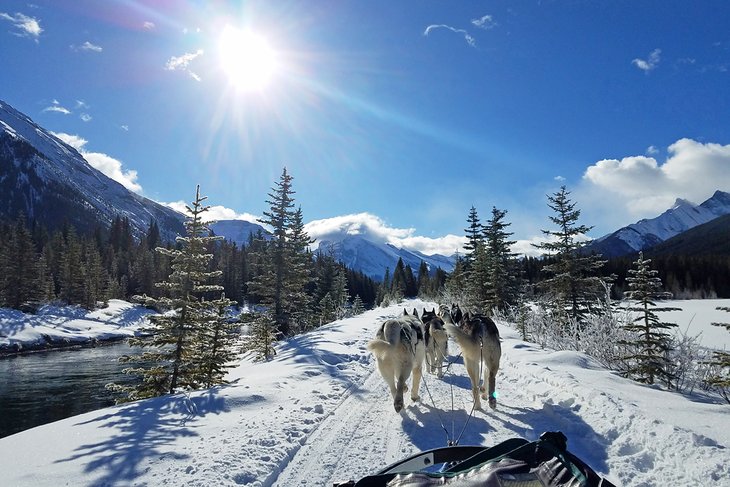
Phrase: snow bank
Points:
(55, 326)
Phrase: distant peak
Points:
(681, 202)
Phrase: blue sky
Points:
(393, 117)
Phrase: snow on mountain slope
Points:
(48, 180)
(373, 258)
(237, 231)
(320, 412)
(646, 233)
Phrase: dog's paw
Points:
(415, 399)
(398, 405)
(493, 403)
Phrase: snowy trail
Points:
(617, 439)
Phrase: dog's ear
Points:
(415, 312)
(405, 312)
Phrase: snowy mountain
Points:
(647, 233)
(51, 183)
(373, 258)
(237, 231)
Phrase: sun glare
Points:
(246, 58)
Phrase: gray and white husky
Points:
(478, 338)
(399, 347)
(437, 342)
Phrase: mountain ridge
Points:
(648, 233)
(49, 181)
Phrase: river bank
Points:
(54, 327)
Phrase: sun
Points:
(247, 59)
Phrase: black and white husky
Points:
(437, 342)
(399, 347)
(478, 338)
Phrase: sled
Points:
(516, 462)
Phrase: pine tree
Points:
(357, 306)
(298, 303)
(398, 284)
(501, 266)
(215, 343)
(339, 294)
(474, 238)
(573, 282)
(649, 361)
(174, 339)
(270, 285)
(721, 360)
(20, 285)
(424, 281)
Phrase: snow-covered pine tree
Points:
(501, 266)
(261, 336)
(339, 293)
(357, 306)
(649, 360)
(173, 341)
(573, 284)
(721, 360)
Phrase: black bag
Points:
(512, 463)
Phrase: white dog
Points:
(400, 348)
(478, 338)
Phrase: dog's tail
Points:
(391, 338)
(459, 335)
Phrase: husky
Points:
(437, 342)
(400, 348)
(478, 338)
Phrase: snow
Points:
(59, 326)
(320, 412)
(682, 216)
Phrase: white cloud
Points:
(643, 187)
(182, 63)
(652, 150)
(468, 38)
(148, 25)
(373, 228)
(28, 26)
(486, 22)
(559, 179)
(81, 104)
(214, 213)
(87, 46)
(57, 107)
(103, 162)
(648, 64)
(85, 117)
(124, 127)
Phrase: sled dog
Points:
(478, 338)
(400, 348)
(437, 342)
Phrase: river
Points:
(42, 387)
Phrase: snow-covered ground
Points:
(55, 326)
(320, 412)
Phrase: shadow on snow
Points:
(145, 431)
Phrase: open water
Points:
(42, 387)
